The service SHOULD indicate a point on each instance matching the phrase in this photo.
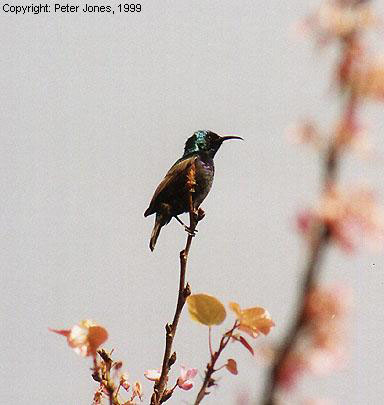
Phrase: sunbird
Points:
(171, 197)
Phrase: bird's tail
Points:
(155, 233)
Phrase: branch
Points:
(312, 271)
(321, 235)
(208, 380)
(160, 394)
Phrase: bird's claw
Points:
(190, 231)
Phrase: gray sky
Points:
(94, 110)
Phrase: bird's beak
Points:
(227, 137)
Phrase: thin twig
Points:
(158, 396)
(208, 381)
(210, 340)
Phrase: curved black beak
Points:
(227, 137)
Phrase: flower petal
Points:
(185, 385)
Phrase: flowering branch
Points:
(324, 228)
(160, 394)
(319, 241)
(311, 273)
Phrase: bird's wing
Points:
(176, 174)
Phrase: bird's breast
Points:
(205, 171)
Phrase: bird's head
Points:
(205, 142)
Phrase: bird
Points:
(171, 197)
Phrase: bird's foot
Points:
(187, 228)
(179, 221)
(190, 231)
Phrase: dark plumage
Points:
(171, 196)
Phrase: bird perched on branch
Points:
(171, 198)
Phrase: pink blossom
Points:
(304, 219)
(187, 374)
(322, 362)
(349, 216)
(292, 368)
(337, 19)
(322, 346)
(351, 133)
(325, 311)
(367, 79)
(328, 303)
(305, 133)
